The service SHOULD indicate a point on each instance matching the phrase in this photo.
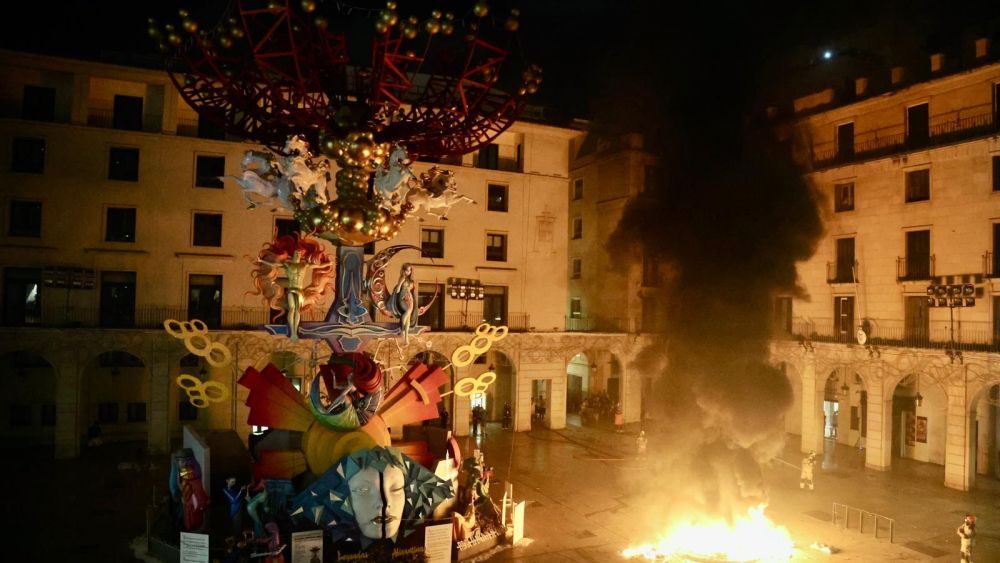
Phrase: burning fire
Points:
(750, 538)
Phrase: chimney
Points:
(937, 62)
(982, 47)
(897, 75)
(860, 86)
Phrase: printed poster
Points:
(194, 548)
(307, 547)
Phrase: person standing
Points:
(967, 538)
(806, 477)
(619, 419)
(640, 444)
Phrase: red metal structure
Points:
(276, 68)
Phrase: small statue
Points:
(237, 500)
(308, 272)
(437, 191)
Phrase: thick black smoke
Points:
(729, 218)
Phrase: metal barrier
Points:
(862, 517)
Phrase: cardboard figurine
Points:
(640, 444)
(237, 497)
(187, 491)
(806, 477)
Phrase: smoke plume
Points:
(728, 219)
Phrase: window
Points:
(995, 262)
(120, 225)
(577, 228)
(123, 164)
(495, 304)
(845, 140)
(996, 173)
(27, 155)
(496, 247)
(431, 243)
(117, 299)
(128, 113)
(843, 197)
(186, 411)
(39, 103)
(369, 248)
(843, 318)
(48, 414)
(783, 315)
(917, 125)
(107, 412)
(845, 261)
(918, 185)
(25, 219)
(208, 170)
(135, 412)
(575, 308)
(433, 317)
(578, 188)
(918, 255)
(205, 299)
(577, 270)
(489, 157)
(496, 197)
(22, 304)
(207, 229)
(208, 129)
(284, 226)
(917, 324)
(20, 415)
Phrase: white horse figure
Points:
(422, 198)
(308, 174)
(260, 177)
(391, 177)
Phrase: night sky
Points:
(629, 64)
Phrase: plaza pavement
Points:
(88, 509)
(578, 511)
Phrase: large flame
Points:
(752, 537)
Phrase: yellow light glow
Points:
(750, 538)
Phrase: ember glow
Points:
(750, 538)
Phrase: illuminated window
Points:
(496, 247)
(843, 197)
(432, 243)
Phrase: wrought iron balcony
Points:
(991, 265)
(914, 268)
(146, 317)
(950, 127)
(600, 324)
(970, 336)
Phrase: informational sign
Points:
(518, 522)
(194, 548)
(911, 430)
(307, 547)
(921, 429)
(437, 543)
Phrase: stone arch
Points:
(502, 390)
(917, 407)
(115, 392)
(28, 383)
(579, 383)
(982, 424)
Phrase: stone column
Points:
(878, 444)
(522, 400)
(957, 447)
(68, 433)
(159, 406)
(556, 409)
(812, 407)
(462, 414)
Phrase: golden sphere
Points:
(226, 42)
(511, 24)
(182, 13)
(189, 25)
(391, 5)
(381, 27)
(432, 26)
(449, 16)
(174, 39)
(236, 32)
(409, 32)
(309, 6)
(480, 9)
(447, 28)
(321, 22)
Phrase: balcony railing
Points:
(145, 317)
(914, 268)
(991, 265)
(980, 336)
(600, 324)
(965, 123)
(841, 272)
(458, 321)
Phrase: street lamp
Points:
(951, 296)
(466, 290)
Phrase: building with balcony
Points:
(895, 349)
(115, 220)
(610, 290)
